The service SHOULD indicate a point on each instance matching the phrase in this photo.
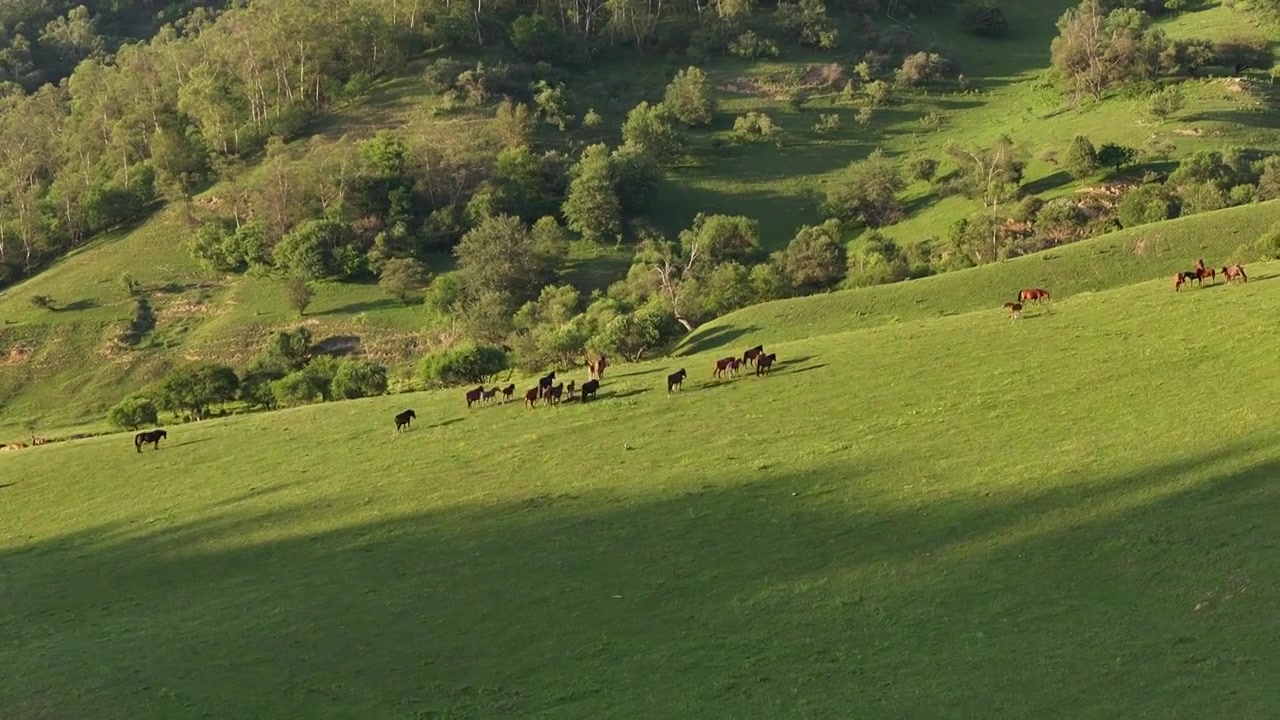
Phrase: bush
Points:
(649, 128)
(984, 18)
(194, 388)
(537, 38)
(1268, 246)
(827, 123)
(1145, 204)
(320, 249)
(288, 349)
(255, 387)
(464, 364)
(132, 413)
(359, 378)
(404, 279)
(1081, 158)
(815, 258)
(750, 45)
(867, 191)
(298, 388)
(922, 168)
(920, 68)
(756, 127)
(689, 97)
(299, 294)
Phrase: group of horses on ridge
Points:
(1229, 273)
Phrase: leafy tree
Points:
(288, 349)
(194, 388)
(726, 288)
(815, 258)
(689, 97)
(133, 413)
(1201, 197)
(713, 239)
(1243, 52)
(299, 294)
(404, 279)
(256, 387)
(922, 168)
(984, 18)
(1269, 181)
(649, 128)
(1116, 156)
(357, 378)
(874, 260)
(591, 206)
(991, 174)
(1166, 102)
(501, 256)
(320, 249)
(975, 240)
(1095, 49)
(1145, 204)
(631, 334)
(464, 364)
(922, 67)
(537, 38)
(867, 191)
(1268, 246)
(637, 179)
(298, 388)
(513, 123)
(1081, 159)
(756, 127)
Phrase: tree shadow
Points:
(81, 304)
(338, 345)
(7, 485)
(620, 395)
(361, 307)
(1049, 182)
(716, 337)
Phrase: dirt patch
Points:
(1194, 132)
(16, 356)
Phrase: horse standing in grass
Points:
(1015, 309)
(595, 368)
(589, 389)
(402, 420)
(1233, 272)
(38, 441)
(1034, 295)
(1178, 280)
(531, 397)
(764, 363)
(1190, 276)
(508, 391)
(473, 396)
(750, 355)
(555, 393)
(676, 380)
(489, 395)
(151, 436)
(723, 366)
(569, 390)
(544, 383)
(734, 366)
(1202, 273)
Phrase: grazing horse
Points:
(402, 420)
(151, 436)
(508, 391)
(750, 355)
(1178, 280)
(569, 390)
(723, 366)
(1231, 272)
(1014, 310)
(589, 389)
(595, 368)
(1032, 295)
(676, 380)
(531, 397)
(544, 383)
(764, 363)
(555, 393)
(473, 396)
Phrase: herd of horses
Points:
(1229, 273)
(35, 441)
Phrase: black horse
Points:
(474, 396)
(544, 383)
(402, 420)
(676, 380)
(151, 436)
(589, 389)
(764, 363)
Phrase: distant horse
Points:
(1231, 272)
(595, 368)
(489, 395)
(1202, 273)
(151, 436)
(508, 391)
(569, 390)
(1178, 280)
(555, 393)
(1032, 295)
(473, 396)
(37, 441)
(1015, 309)
(1200, 265)
(676, 380)
(750, 355)
(531, 397)
(723, 366)
(589, 389)
(544, 383)
(764, 363)
(1190, 276)
(734, 366)
(402, 420)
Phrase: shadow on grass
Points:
(480, 595)
(786, 371)
(362, 307)
(184, 443)
(82, 304)
(716, 337)
(7, 485)
(1049, 182)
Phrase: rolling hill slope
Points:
(962, 516)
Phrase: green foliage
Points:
(637, 179)
(922, 168)
(649, 128)
(514, 124)
(42, 302)
(815, 258)
(689, 97)
(1269, 178)
(357, 378)
(142, 322)
(319, 249)
(874, 259)
(756, 127)
(195, 387)
(1167, 102)
(221, 246)
(1268, 245)
(256, 389)
(991, 174)
(404, 279)
(1199, 197)
(298, 388)
(807, 22)
(750, 45)
(1116, 156)
(922, 67)
(298, 292)
(288, 349)
(1081, 159)
(591, 206)
(867, 192)
(133, 413)
(537, 38)
(464, 364)
(827, 123)
(984, 18)
(501, 256)
(552, 103)
(1145, 204)
(714, 239)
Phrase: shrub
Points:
(756, 127)
(689, 97)
(984, 18)
(867, 191)
(299, 294)
(1242, 195)
(359, 378)
(132, 413)
(255, 387)
(1145, 204)
(1116, 156)
(43, 302)
(1081, 159)
(750, 45)
(464, 364)
(404, 279)
(649, 128)
(827, 123)
(320, 249)
(1268, 246)
(194, 388)
(288, 349)
(298, 388)
(920, 68)
(1166, 102)
(815, 258)
(537, 38)
(922, 168)
(1201, 197)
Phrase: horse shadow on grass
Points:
(624, 394)
(797, 371)
(185, 443)
(797, 567)
(7, 485)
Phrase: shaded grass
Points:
(927, 518)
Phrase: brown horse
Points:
(734, 366)
(676, 380)
(569, 390)
(38, 441)
(595, 368)
(555, 393)
(508, 391)
(1202, 273)
(1015, 309)
(1233, 272)
(1178, 280)
(589, 389)
(402, 420)
(531, 397)
(151, 436)
(1034, 295)
(489, 395)
(723, 366)
(764, 363)
(473, 396)
(750, 356)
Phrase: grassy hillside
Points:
(959, 516)
(1113, 260)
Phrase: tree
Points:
(591, 207)
(715, 239)
(637, 179)
(689, 97)
(1116, 156)
(815, 258)
(922, 168)
(357, 378)
(874, 260)
(320, 249)
(132, 413)
(984, 18)
(194, 388)
(1081, 159)
(1145, 204)
(288, 349)
(1243, 52)
(867, 191)
(404, 279)
(1166, 102)
(992, 174)
(1269, 181)
(501, 256)
(298, 388)
(649, 128)
(1268, 246)
(299, 294)
(539, 39)
(1094, 49)
(513, 123)
(464, 364)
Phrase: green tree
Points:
(591, 207)
(319, 249)
(288, 349)
(194, 388)
(714, 239)
(1081, 159)
(815, 258)
(984, 18)
(1145, 204)
(514, 124)
(649, 128)
(637, 179)
(867, 191)
(689, 97)
(298, 388)
(501, 256)
(357, 378)
(1269, 180)
(404, 279)
(133, 413)
(1167, 102)
(464, 364)
(874, 259)
(1116, 156)
(299, 294)
(991, 174)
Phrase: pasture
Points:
(1068, 515)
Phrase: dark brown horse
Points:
(555, 393)
(544, 383)
(402, 420)
(1233, 272)
(1190, 276)
(589, 389)
(764, 363)
(750, 355)
(151, 436)
(489, 395)
(1032, 295)
(734, 366)
(531, 397)
(473, 396)
(1202, 273)
(595, 368)
(722, 366)
(1014, 309)
(676, 380)
(508, 391)
(569, 390)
